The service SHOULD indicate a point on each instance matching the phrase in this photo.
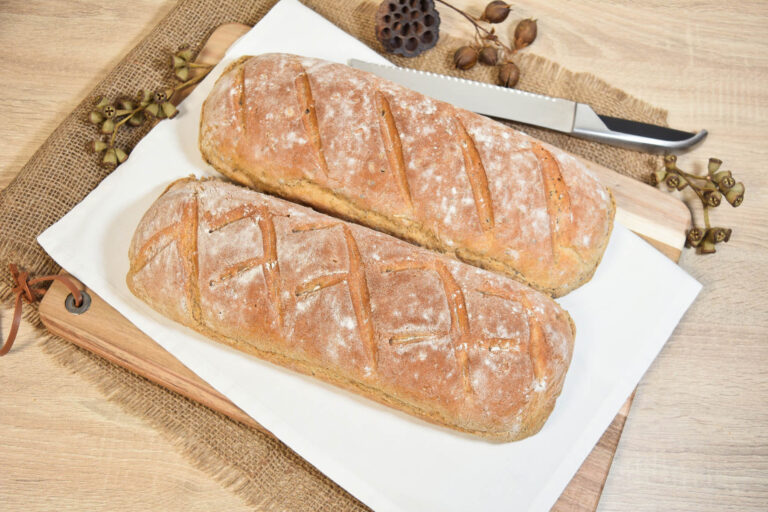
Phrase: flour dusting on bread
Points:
(369, 150)
(416, 330)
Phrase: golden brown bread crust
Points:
(429, 335)
(362, 148)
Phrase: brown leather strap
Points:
(25, 289)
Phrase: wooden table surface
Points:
(697, 436)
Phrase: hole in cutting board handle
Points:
(69, 303)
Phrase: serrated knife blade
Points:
(557, 114)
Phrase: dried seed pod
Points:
(95, 117)
(177, 62)
(713, 165)
(120, 155)
(109, 111)
(719, 235)
(670, 161)
(185, 54)
(110, 157)
(673, 181)
(693, 237)
(153, 109)
(137, 119)
(525, 33)
(407, 27)
(182, 73)
(735, 194)
(161, 97)
(108, 126)
(496, 12)
(465, 57)
(658, 177)
(509, 74)
(144, 97)
(706, 247)
(711, 237)
(169, 110)
(724, 180)
(98, 146)
(489, 56)
(712, 198)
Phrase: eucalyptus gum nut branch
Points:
(132, 112)
(710, 189)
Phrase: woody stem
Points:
(122, 122)
(478, 27)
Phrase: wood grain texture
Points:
(696, 438)
(63, 446)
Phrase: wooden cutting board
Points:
(652, 214)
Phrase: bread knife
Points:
(577, 119)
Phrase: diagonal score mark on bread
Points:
(319, 283)
(557, 197)
(359, 294)
(407, 338)
(215, 223)
(393, 146)
(478, 181)
(314, 226)
(309, 116)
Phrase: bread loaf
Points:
(359, 147)
(415, 330)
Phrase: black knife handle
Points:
(652, 131)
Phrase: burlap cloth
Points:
(261, 470)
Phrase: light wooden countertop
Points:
(697, 436)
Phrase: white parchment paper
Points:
(385, 458)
